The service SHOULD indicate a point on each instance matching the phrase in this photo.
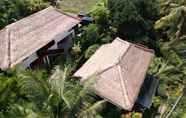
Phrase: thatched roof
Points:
(24, 37)
(120, 68)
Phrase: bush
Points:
(101, 15)
(76, 49)
(106, 39)
(13, 10)
(91, 50)
(156, 101)
(89, 36)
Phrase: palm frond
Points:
(92, 109)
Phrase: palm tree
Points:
(57, 97)
(74, 98)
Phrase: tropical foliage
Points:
(157, 24)
(30, 94)
(13, 10)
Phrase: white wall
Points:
(60, 37)
(26, 63)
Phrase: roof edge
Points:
(110, 101)
(58, 10)
(6, 59)
(121, 40)
(76, 74)
(31, 15)
(137, 45)
(144, 48)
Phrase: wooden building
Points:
(31, 41)
(120, 68)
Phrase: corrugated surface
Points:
(31, 33)
(121, 68)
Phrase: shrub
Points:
(76, 49)
(91, 50)
(13, 10)
(106, 39)
(89, 36)
(101, 15)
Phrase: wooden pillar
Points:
(46, 61)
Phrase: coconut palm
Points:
(74, 98)
(57, 97)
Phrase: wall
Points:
(59, 37)
(26, 62)
(66, 45)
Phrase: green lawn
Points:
(75, 6)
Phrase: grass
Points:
(75, 6)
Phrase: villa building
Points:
(120, 68)
(34, 40)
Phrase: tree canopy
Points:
(133, 17)
(13, 10)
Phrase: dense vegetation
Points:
(157, 24)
